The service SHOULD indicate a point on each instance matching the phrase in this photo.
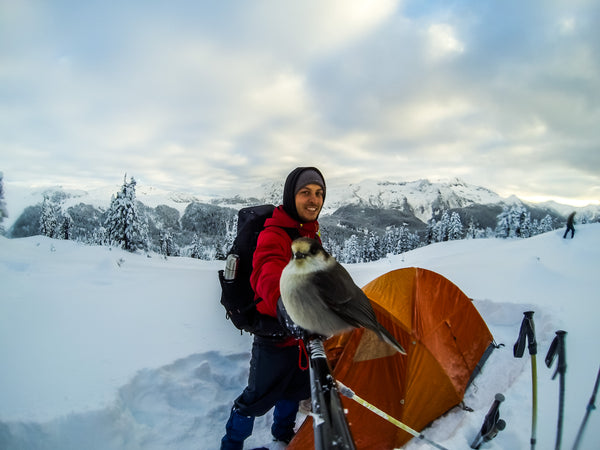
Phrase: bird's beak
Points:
(299, 255)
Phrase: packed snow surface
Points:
(104, 349)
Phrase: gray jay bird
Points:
(320, 296)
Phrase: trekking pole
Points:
(347, 392)
(557, 347)
(527, 333)
(591, 405)
(329, 420)
(492, 424)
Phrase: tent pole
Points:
(347, 392)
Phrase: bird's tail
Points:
(386, 336)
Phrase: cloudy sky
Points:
(217, 96)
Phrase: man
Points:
(278, 377)
(570, 227)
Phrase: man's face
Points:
(309, 201)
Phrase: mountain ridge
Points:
(421, 197)
(360, 222)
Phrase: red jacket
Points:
(273, 252)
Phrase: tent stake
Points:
(347, 392)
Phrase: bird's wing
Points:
(338, 291)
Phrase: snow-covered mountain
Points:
(422, 198)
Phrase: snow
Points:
(104, 349)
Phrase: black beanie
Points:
(296, 180)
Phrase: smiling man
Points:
(277, 377)
(309, 198)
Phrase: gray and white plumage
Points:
(320, 296)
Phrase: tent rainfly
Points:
(446, 341)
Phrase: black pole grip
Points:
(526, 334)
(329, 421)
(558, 348)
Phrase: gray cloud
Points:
(215, 96)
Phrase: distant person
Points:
(570, 221)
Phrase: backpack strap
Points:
(293, 233)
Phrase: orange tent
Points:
(445, 338)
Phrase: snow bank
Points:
(103, 349)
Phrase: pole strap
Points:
(302, 353)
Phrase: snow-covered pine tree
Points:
(49, 218)
(3, 208)
(231, 232)
(124, 225)
(333, 246)
(503, 223)
(372, 247)
(410, 241)
(472, 229)
(516, 217)
(514, 222)
(351, 252)
(223, 246)
(65, 227)
(399, 240)
(415, 241)
(404, 240)
(546, 224)
(431, 231)
(527, 226)
(442, 227)
(455, 227)
(196, 251)
(98, 236)
(167, 246)
(391, 239)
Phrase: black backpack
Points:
(237, 295)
